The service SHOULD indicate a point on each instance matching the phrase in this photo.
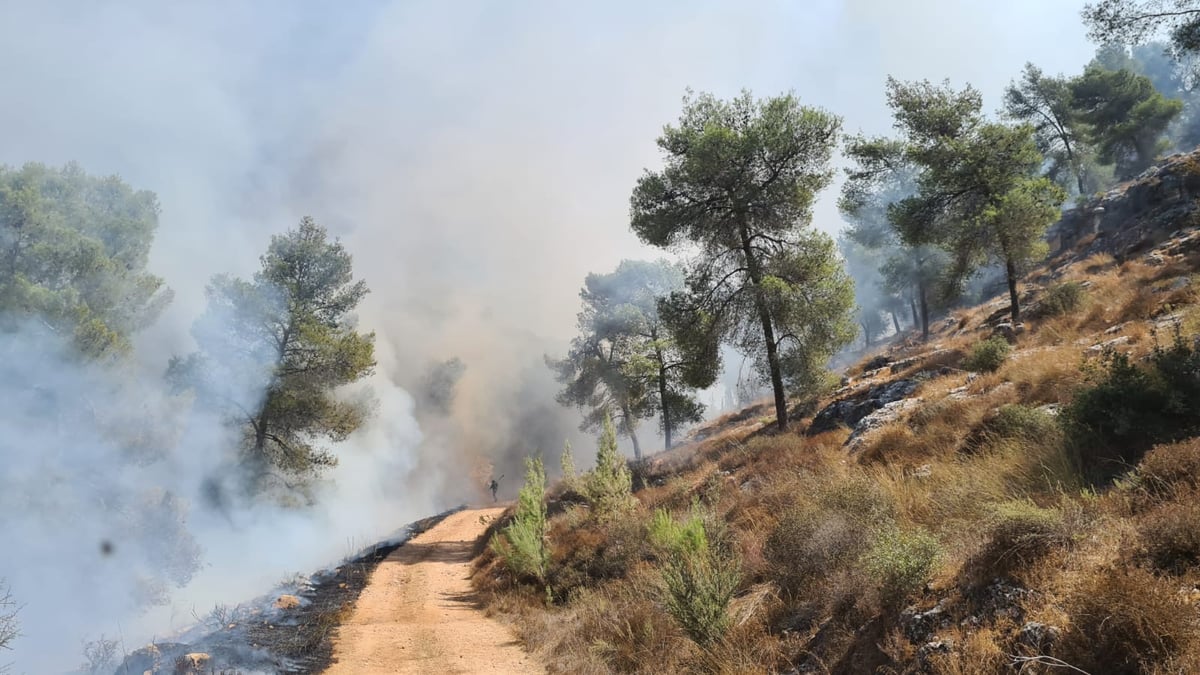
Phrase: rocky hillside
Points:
(1001, 498)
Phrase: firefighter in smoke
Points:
(494, 485)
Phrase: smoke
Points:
(477, 162)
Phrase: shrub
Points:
(1016, 534)
(1168, 469)
(669, 536)
(699, 577)
(609, 486)
(521, 545)
(1060, 299)
(902, 562)
(1128, 407)
(1169, 538)
(1124, 621)
(988, 355)
(1022, 422)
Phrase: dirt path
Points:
(419, 614)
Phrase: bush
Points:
(699, 577)
(902, 563)
(1125, 621)
(814, 540)
(1129, 407)
(609, 486)
(521, 545)
(1169, 538)
(669, 536)
(987, 355)
(1169, 469)
(1060, 299)
(1022, 422)
(1016, 534)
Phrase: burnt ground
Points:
(288, 631)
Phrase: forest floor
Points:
(420, 614)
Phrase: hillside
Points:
(998, 498)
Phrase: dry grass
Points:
(1103, 564)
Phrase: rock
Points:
(930, 648)
(876, 363)
(889, 413)
(853, 409)
(1179, 284)
(1115, 329)
(919, 627)
(923, 471)
(1109, 344)
(287, 602)
(1008, 331)
(1155, 258)
(1038, 635)
(1051, 409)
(195, 663)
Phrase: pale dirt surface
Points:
(419, 614)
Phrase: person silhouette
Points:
(493, 486)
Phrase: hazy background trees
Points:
(73, 252)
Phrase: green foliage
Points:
(699, 579)
(73, 254)
(567, 462)
(626, 358)
(902, 563)
(987, 355)
(1122, 22)
(1047, 103)
(1126, 117)
(1061, 299)
(978, 194)
(290, 331)
(672, 537)
(521, 545)
(1022, 422)
(1127, 407)
(609, 486)
(761, 279)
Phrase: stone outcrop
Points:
(1135, 215)
(850, 411)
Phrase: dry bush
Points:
(988, 355)
(977, 652)
(1169, 537)
(1016, 534)
(585, 553)
(1167, 470)
(1125, 621)
(902, 562)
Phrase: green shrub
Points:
(1169, 538)
(521, 545)
(1016, 534)
(1022, 422)
(988, 355)
(902, 563)
(1060, 299)
(1128, 407)
(609, 486)
(698, 586)
(669, 536)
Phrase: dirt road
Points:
(418, 613)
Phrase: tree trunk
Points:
(866, 334)
(764, 316)
(627, 422)
(662, 397)
(1012, 291)
(912, 304)
(924, 298)
(895, 322)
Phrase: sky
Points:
(476, 158)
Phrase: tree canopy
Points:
(1135, 21)
(274, 349)
(73, 255)
(1126, 115)
(736, 189)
